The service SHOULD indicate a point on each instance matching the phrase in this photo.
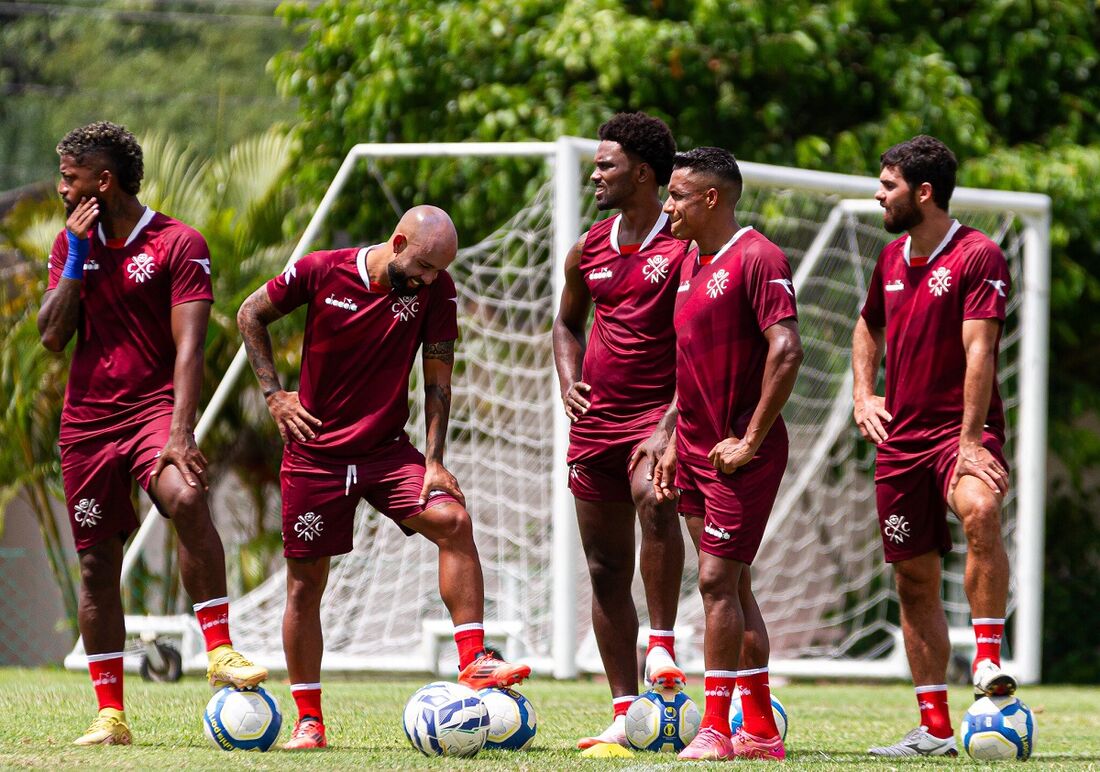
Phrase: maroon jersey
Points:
(631, 354)
(122, 368)
(722, 310)
(359, 349)
(923, 309)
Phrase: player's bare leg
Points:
(202, 571)
(462, 587)
(304, 645)
(662, 567)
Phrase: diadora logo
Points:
(655, 268)
(896, 528)
(994, 639)
(141, 267)
(997, 284)
(925, 705)
(603, 273)
(204, 263)
(786, 284)
(87, 512)
(347, 304)
(897, 285)
(221, 620)
(289, 274)
(721, 691)
(91, 265)
(405, 308)
(940, 281)
(718, 283)
(684, 287)
(309, 526)
(716, 532)
(104, 679)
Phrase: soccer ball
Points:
(242, 719)
(512, 719)
(780, 713)
(443, 719)
(999, 728)
(662, 721)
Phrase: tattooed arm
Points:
(439, 359)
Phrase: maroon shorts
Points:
(911, 491)
(98, 473)
(319, 500)
(603, 477)
(735, 507)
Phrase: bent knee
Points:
(184, 503)
(448, 522)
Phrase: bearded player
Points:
(737, 357)
(134, 286)
(617, 383)
(936, 303)
(370, 310)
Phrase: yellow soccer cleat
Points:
(230, 667)
(109, 728)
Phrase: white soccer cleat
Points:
(991, 681)
(613, 735)
(662, 672)
(918, 743)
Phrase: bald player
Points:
(370, 310)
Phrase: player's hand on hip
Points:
(871, 418)
(664, 476)
(293, 420)
(976, 460)
(650, 451)
(437, 478)
(183, 452)
(731, 453)
(83, 217)
(577, 405)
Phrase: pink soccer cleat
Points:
(748, 746)
(708, 745)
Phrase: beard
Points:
(400, 282)
(904, 217)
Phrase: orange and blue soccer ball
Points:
(242, 719)
(662, 721)
(996, 728)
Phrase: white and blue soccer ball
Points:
(242, 719)
(996, 728)
(737, 718)
(662, 721)
(512, 719)
(444, 719)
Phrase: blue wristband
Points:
(74, 261)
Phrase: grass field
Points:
(41, 711)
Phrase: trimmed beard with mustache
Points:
(401, 283)
(903, 219)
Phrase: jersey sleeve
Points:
(987, 284)
(874, 307)
(297, 285)
(769, 286)
(190, 263)
(56, 262)
(441, 323)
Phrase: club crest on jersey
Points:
(309, 526)
(603, 273)
(87, 513)
(346, 303)
(405, 309)
(940, 281)
(655, 268)
(140, 267)
(717, 283)
(896, 529)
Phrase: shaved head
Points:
(429, 228)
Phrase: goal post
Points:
(820, 579)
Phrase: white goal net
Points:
(820, 580)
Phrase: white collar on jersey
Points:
(146, 217)
(955, 225)
(361, 264)
(652, 233)
(733, 240)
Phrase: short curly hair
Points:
(925, 159)
(644, 137)
(114, 143)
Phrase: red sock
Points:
(718, 686)
(213, 616)
(620, 705)
(987, 636)
(666, 639)
(934, 715)
(470, 640)
(756, 703)
(308, 699)
(106, 672)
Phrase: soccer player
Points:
(617, 386)
(134, 286)
(936, 302)
(370, 309)
(737, 356)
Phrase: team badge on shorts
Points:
(309, 526)
(896, 528)
(87, 513)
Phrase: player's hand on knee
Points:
(871, 417)
(576, 404)
(438, 478)
(293, 420)
(650, 452)
(731, 453)
(183, 453)
(976, 460)
(664, 476)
